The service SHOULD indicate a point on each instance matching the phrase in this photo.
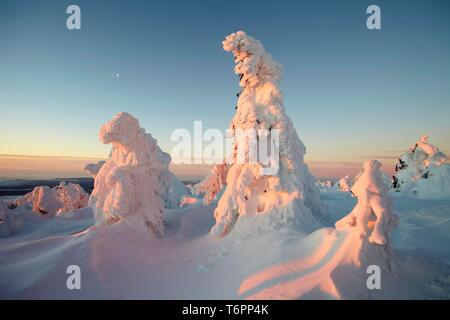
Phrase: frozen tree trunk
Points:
(127, 186)
(249, 190)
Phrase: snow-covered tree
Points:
(213, 184)
(291, 192)
(345, 183)
(372, 218)
(127, 186)
(7, 221)
(172, 189)
(51, 201)
(423, 171)
(94, 168)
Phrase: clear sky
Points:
(352, 93)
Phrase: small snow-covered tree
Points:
(423, 171)
(260, 106)
(8, 221)
(127, 186)
(212, 185)
(345, 183)
(372, 218)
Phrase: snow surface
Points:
(188, 263)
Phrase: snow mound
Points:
(54, 201)
(127, 186)
(249, 191)
(423, 172)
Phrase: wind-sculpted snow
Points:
(423, 172)
(260, 107)
(127, 186)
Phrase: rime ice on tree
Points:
(260, 106)
(127, 186)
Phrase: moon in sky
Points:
(117, 75)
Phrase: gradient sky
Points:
(352, 93)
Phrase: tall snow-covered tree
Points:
(290, 195)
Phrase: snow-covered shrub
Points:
(423, 172)
(51, 201)
(127, 186)
(260, 106)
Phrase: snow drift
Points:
(423, 172)
(289, 197)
